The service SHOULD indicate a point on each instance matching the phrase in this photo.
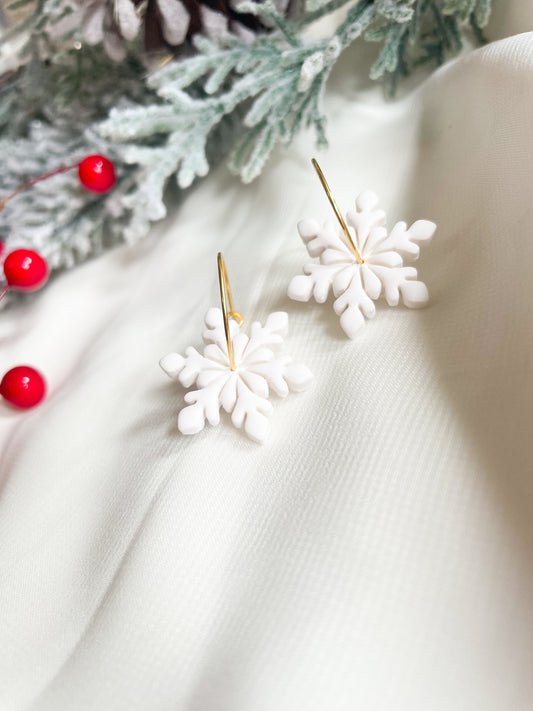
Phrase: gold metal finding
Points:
(166, 59)
(337, 212)
(225, 299)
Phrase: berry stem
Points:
(25, 186)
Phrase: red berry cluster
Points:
(25, 270)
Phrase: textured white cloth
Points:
(376, 553)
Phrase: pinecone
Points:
(165, 24)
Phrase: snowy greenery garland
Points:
(228, 98)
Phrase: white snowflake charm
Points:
(235, 371)
(360, 261)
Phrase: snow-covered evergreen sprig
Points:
(233, 99)
(267, 77)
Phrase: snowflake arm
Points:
(268, 336)
(277, 369)
(251, 408)
(214, 332)
(402, 282)
(353, 304)
(282, 375)
(328, 244)
(406, 242)
(319, 239)
(366, 219)
(194, 365)
(210, 376)
(203, 404)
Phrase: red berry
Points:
(97, 173)
(25, 270)
(23, 386)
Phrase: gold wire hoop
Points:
(337, 212)
(225, 298)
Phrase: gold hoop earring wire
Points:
(337, 212)
(225, 299)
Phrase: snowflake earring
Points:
(362, 263)
(236, 371)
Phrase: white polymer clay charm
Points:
(362, 263)
(235, 372)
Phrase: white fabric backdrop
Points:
(376, 552)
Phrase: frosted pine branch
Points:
(57, 217)
(280, 79)
(231, 99)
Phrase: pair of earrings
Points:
(237, 372)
